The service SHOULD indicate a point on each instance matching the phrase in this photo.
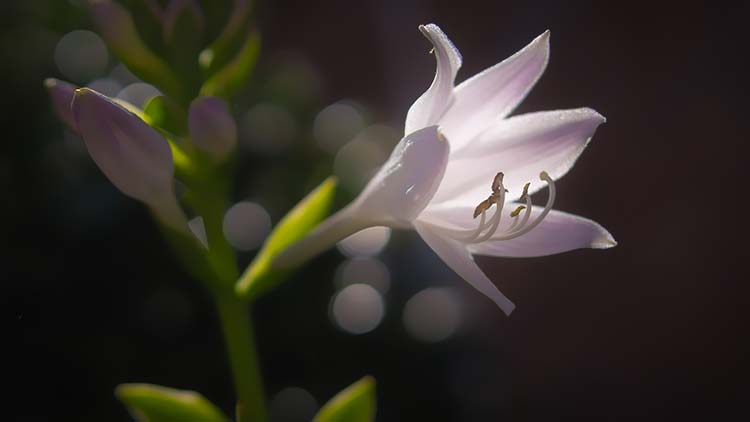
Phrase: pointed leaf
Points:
(231, 78)
(220, 52)
(354, 404)
(259, 276)
(117, 27)
(153, 403)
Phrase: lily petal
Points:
(394, 197)
(495, 92)
(408, 180)
(521, 147)
(558, 232)
(457, 256)
(428, 108)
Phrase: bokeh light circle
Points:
(246, 225)
(81, 55)
(432, 315)
(357, 309)
(293, 404)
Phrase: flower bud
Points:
(61, 94)
(174, 10)
(133, 156)
(116, 26)
(212, 128)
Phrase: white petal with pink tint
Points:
(462, 159)
(458, 258)
(429, 108)
(521, 147)
(492, 94)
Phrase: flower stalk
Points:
(239, 336)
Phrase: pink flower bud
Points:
(212, 128)
(133, 156)
(61, 94)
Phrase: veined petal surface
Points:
(493, 93)
(520, 147)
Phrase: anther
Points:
(497, 182)
(517, 211)
(487, 228)
(441, 137)
(525, 190)
(482, 207)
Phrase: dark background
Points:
(649, 330)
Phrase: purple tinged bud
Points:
(133, 156)
(212, 128)
(61, 94)
(174, 10)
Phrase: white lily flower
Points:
(460, 157)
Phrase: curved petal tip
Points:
(606, 240)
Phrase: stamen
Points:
(481, 227)
(526, 214)
(441, 136)
(495, 221)
(525, 193)
(497, 182)
(517, 211)
(482, 207)
(523, 229)
(513, 224)
(520, 224)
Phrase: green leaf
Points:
(116, 26)
(354, 404)
(259, 276)
(153, 403)
(231, 78)
(221, 51)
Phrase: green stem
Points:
(243, 358)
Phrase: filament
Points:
(519, 225)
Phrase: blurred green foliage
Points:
(356, 403)
(154, 403)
